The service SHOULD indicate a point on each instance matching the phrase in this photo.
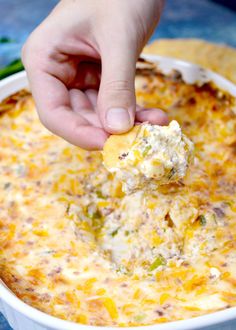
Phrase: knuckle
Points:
(117, 92)
(118, 86)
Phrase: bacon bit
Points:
(215, 107)
(219, 212)
(169, 220)
(55, 271)
(29, 243)
(124, 285)
(159, 312)
(123, 156)
(45, 297)
(106, 211)
(191, 101)
(175, 76)
(76, 273)
(166, 306)
(214, 273)
(29, 220)
(224, 264)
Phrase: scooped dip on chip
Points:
(148, 156)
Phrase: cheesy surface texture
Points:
(157, 155)
(74, 246)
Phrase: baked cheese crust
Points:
(73, 246)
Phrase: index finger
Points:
(54, 109)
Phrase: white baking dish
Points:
(23, 317)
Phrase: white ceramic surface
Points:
(23, 317)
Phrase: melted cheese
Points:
(148, 156)
(73, 246)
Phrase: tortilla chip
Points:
(218, 58)
(117, 145)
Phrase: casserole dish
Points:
(22, 316)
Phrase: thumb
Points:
(116, 98)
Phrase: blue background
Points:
(181, 18)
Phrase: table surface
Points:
(181, 18)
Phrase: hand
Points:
(81, 66)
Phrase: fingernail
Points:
(118, 119)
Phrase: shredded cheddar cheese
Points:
(73, 245)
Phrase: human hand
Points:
(63, 57)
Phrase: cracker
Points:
(116, 145)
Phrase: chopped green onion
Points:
(95, 215)
(159, 261)
(214, 218)
(121, 269)
(68, 208)
(145, 152)
(96, 219)
(172, 172)
(139, 317)
(99, 194)
(202, 220)
(114, 232)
